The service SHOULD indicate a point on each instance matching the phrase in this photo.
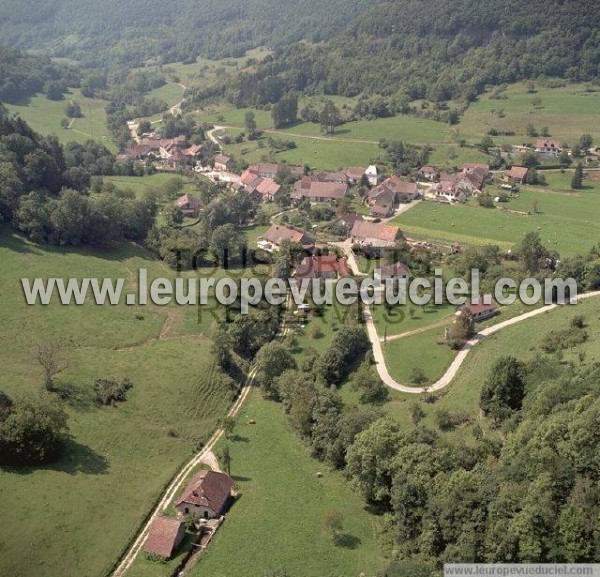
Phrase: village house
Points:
(338, 177)
(164, 536)
(261, 189)
(348, 220)
(375, 235)
(317, 191)
(207, 495)
(194, 151)
(383, 204)
(516, 175)
(548, 147)
(278, 234)
(392, 274)
(354, 175)
(373, 175)
(402, 190)
(223, 163)
(321, 267)
(482, 170)
(189, 205)
(272, 170)
(428, 173)
(480, 311)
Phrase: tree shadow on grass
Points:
(239, 439)
(77, 397)
(77, 459)
(347, 541)
(241, 479)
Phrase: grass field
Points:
(277, 521)
(45, 115)
(568, 112)
(426, 351)
(565, 221)
(523, 341)
(318, 154)
(119, 459)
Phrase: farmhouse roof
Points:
(208, 489)
(518, 172)
(277, 234)
(377, 231)
(163, 536)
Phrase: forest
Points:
(433, 49)
(129, 33)
(44, 191)
(23, 75)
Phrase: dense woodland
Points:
(116, 33)
(23, 75)
(45, 191)
(435, 49)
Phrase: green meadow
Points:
(281, 496)
(565, 220)
(44, 116)
(118, 459)
(567, 112)
(523, 341)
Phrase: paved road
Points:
(204, 456)
(175, 486)
(449, 375)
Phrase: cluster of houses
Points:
(167, 153)
(456, 187)
(207, 496)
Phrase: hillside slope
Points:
(441, 50)
(108, 31)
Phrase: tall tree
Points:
(577, 180)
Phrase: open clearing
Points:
(44, 116)
(522, 341)
(568, 112)
(566, 220)
(282, 498)
(120, 458)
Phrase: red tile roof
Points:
(480, 307)
(517, 172)
(188, 201)
(164, 536)
(277, 234)
(315, 266)
(364, 230)
(397, 269)
(208, 489)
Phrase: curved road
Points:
(449, 375)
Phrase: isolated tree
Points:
(330, 117)
(536, 101)
(462, 329)
(586, 142)
(224, 456)
(73, 110)
(418, 376)
(51, 356)
(533, 253)
(228, 426)
(416, 413)
(577, 180)
(285, 112)
(250, 124)
(333, 522)
(173, 187)
(33, 431)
